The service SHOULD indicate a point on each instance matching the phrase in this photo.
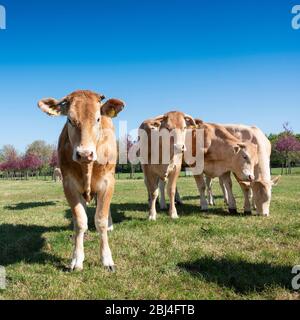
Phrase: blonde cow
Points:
(87, 154)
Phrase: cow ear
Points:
(112, 108)
(199, 122)
(155, 125)
(236, 149)
(275, 181)
(242, 145)
(54, 107)
(190, 122)
(244, 184)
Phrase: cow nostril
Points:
(85, 155)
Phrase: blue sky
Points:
(222, 61)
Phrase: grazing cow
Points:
(224, 152)
(87, 154)
(258, 192)
(57, 175)
(174, 124)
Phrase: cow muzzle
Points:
(85, 155)
(249, 177)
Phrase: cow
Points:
(223, 152)
(87, 153)
(57, 175)
(175, 124)
(257, 193)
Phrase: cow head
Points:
(244, 160)
(84, 110)
(176, 123)
(262, 193)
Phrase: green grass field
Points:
(209, 255)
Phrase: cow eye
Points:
(98, 120)
(245, 157)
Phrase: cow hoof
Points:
(111, 269)
(152, 218)
(266, 215)
(179, 203)
(233, 211)
(248, 213)
(174, 216)
(78, 267)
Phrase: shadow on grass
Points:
(198, 197)
(21, 243)
(118, 211)
(190, 209)
(29, 205)
(241, 276)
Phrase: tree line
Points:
(41, 158)
(285, 149)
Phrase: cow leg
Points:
(147, 184)
(225, 193)
(231, 200)
(178, 198)
(152, 183)
(162, 188)
(210, 195)
(80, 221)
(172, 182)
(110, 223)
(248, 196)
(102, 222)
(253, 200)
(201, 187)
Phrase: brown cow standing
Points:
(174, 124)
(87, 154)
